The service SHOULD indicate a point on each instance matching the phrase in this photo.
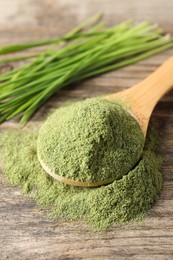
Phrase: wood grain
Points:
(25, 230)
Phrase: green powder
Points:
(124, 200)
(90, 141)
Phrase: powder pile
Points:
(90, 141)
(124, 200)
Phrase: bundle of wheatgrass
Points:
(89, 49)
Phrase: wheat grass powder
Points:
(128, 198)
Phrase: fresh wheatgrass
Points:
(87, 50)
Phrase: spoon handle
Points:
(143, 97)
(149, 91)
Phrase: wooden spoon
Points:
(140, 101)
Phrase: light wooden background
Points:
(25, 230)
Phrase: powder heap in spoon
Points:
(90, 141)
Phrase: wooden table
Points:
(25, 230)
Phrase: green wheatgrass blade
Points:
(7, 75)
(26, 68)
(46, 95)
(55, 56)
(145, 47)
(120, 64)
(96, 71)
(20, 98)
(69, 35)
(24, 57)
(35, 75)
(14, 92)
(81, 58)
(109, 55)
(77, 36)
(122, 25)
(125, 52)
(16, 77)
(3, 118)
(17, 108)
(31, 56)
(152, 52)
(21, 88)
(22, 108)
(111, 43)
(128, 62)
(118, 27)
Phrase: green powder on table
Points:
(124, 200)
(90, 141)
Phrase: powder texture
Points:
(124, 200)
(90, 141)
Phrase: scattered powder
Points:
(90, 141)
(124, 200)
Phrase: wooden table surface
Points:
(25, 230)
